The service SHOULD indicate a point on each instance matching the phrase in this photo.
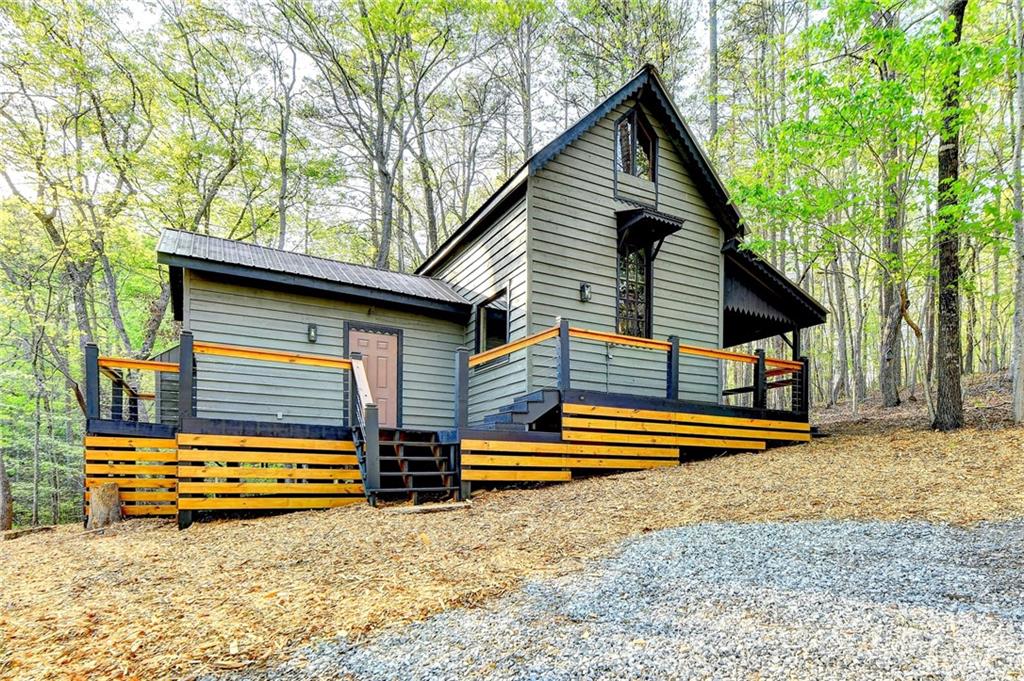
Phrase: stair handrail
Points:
(367, 425)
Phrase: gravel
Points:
(834, 600)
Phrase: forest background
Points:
(369, 130)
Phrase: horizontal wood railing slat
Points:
(562, 461)
(133, 483)
(322, 488)
(127, 455)
(247, 456)
(128, 469)
(241, 352)
(501, 351)
(241, 503)
(100, 442)
(498, 475)
(241, 441)
(587, 436)
(269, 473)
(564, 448)
(141, 496)
(574, 423)
(683, 417)
(619, 339)
(140, 364)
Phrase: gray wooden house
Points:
(575, 322)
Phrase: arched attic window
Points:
(636, 146)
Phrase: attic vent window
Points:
(635, 146)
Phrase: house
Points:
(574, 322)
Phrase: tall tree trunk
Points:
(426, 174)
(36, 453)
(713, 68)
(949, 407)
(6, 498)
(993, 334)
(285, 131)
(1017, 361)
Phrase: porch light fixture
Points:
(311, 333)
(584, 292)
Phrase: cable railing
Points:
(764, 368)
(365, 425)
(127, 396)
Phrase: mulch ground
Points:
(146, 601)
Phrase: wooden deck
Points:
(211, 465)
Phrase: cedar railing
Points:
(764, 367)
(115, 369)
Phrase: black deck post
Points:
(564, 372)
(760, 381)
(371, 450)
(92, 381)
(116, 397)
(802, 402)
(461, 388)
(796, 343)
(186, 385)
(461, 415)
(133, 407)
(186, 382)
(672, 379)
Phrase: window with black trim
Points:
(635, 146)
(633, 312)
(492, 322)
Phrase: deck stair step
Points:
(415, 464)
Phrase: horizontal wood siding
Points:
(487, 264)
(232, 388)
(573, 240)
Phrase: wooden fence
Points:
(145, 470)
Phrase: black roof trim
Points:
(777, 280)
(683, 140)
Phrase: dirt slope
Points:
(150, 602)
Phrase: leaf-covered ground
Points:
(147, 601)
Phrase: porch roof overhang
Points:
(760, 302)
(643, 226)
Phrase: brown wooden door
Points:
(380, 357)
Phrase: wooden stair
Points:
(415, 464)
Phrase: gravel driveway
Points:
(794, 600)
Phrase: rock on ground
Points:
(839, 600)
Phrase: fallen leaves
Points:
(147, 601)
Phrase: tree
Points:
(949, 408)
(1018, 209)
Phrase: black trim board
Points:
(348, 326)
(282, 281)
(129, 428)
(193, 425)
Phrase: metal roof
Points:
(176, 245)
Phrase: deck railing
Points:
(365, 426)
(125, 394)
(764, 367)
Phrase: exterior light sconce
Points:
(584, 292)
(311, 333)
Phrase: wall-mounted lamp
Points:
(584, 292)
(311, 333)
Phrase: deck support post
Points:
(564, 372)
(796, 343)
(371, 450)
(92, 381)
(672, 378)
(802, 401)
(461, 415)
(186, 384)
(116, 398)
(760, 381)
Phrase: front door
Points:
(380, 358)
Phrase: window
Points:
(635, 146)
(633, 315)
(492, 322)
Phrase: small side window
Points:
(492, 322)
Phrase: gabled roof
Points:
(647, 84)
(286, 269)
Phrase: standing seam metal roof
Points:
(203, 247)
